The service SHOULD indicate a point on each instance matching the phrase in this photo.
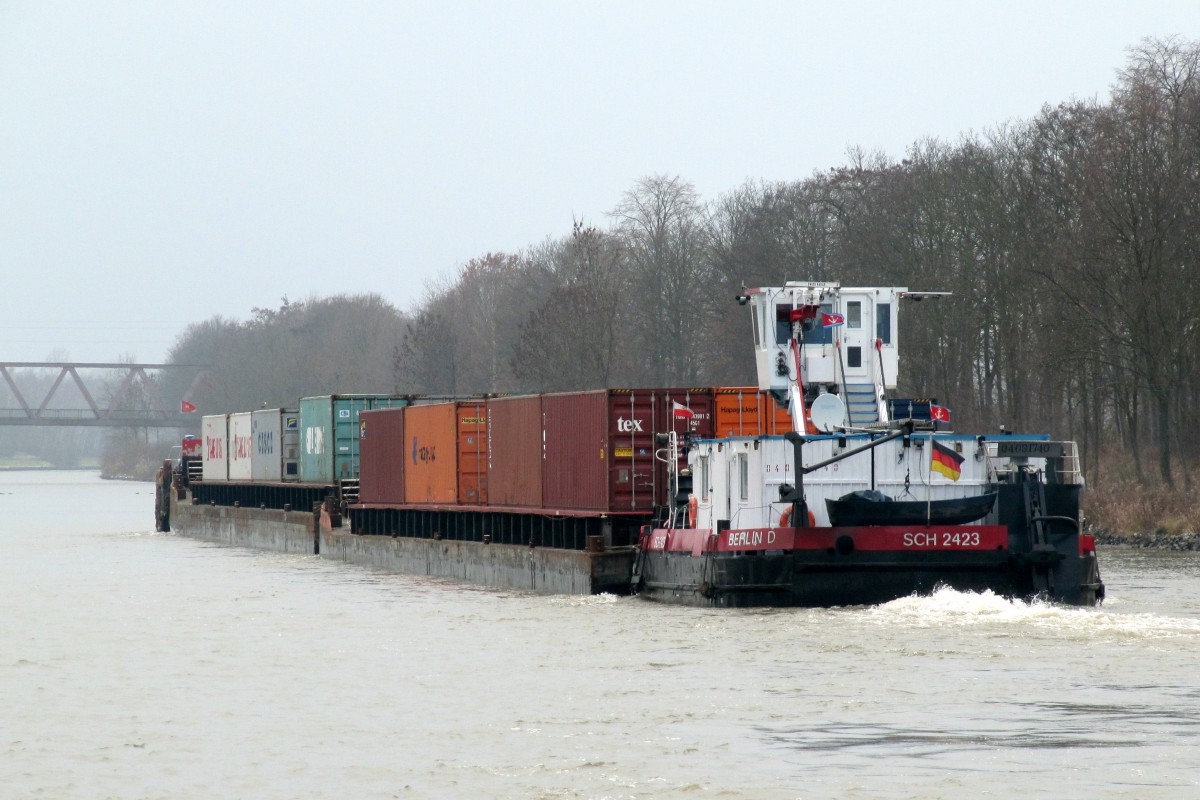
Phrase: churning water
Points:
(143, 665)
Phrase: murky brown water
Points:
(142, 665)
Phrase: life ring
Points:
(693, 510)
(786, 517)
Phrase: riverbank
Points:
(1178, 542)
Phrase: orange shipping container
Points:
(747, 411)
(431, 471)
(472, 453)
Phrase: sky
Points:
(165, 163)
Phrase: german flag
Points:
(946, 461)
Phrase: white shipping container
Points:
(275, 456)
(214, 430)
(241, 446)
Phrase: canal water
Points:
(144, 665)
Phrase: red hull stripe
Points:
(883, 538)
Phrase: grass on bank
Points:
(1117, 503)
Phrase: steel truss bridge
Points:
(120, 411)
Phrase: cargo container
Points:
(214, 430)
(329, 434)
(600, 445)
(276, 453)
(514, 452)
(241, 446)
(431, 468)
(748, 411)
(472, 453)
(381, 455)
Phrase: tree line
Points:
(1070, 242)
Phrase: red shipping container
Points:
(472, 453)
(514, 451)
(575, 467)
(600, 446)
(381, 456)
(431, 472)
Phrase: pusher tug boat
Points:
(869, 498)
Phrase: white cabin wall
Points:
(770, 465)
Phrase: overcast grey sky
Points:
(163, 162)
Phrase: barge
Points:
(817, 487)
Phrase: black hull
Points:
(820, 579)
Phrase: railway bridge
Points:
(132, 395)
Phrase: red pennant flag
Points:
(939, 413)
(830, 320)
(186, 407)
(681, 411)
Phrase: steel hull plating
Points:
(822, 579)
(832, 571)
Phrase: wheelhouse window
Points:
(883, 322)
(854, 314)
(783, 324)
(814, 331)
(744, 475)
(703, 477)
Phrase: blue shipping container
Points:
(329, 434)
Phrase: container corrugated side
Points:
(639, 480)
(381, 456)
(431, 472)
(748, 411)
(275, 455)
(329, 434)
(600, 446)
(316, 439)
(214, 430)
(575, 470)
(472, 453)
(514, 451)
(241, 445)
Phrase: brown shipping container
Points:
(431, 472)
(472, 453)
(748, 411)
(600, 445)
(575, 469)
(381, 456)
(514, 451)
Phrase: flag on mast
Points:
(945, 461)
(186, 407)
(681, 411)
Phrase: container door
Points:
(472, 453)
(290, 438)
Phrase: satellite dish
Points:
(828, 413)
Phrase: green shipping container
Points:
(329, 434)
